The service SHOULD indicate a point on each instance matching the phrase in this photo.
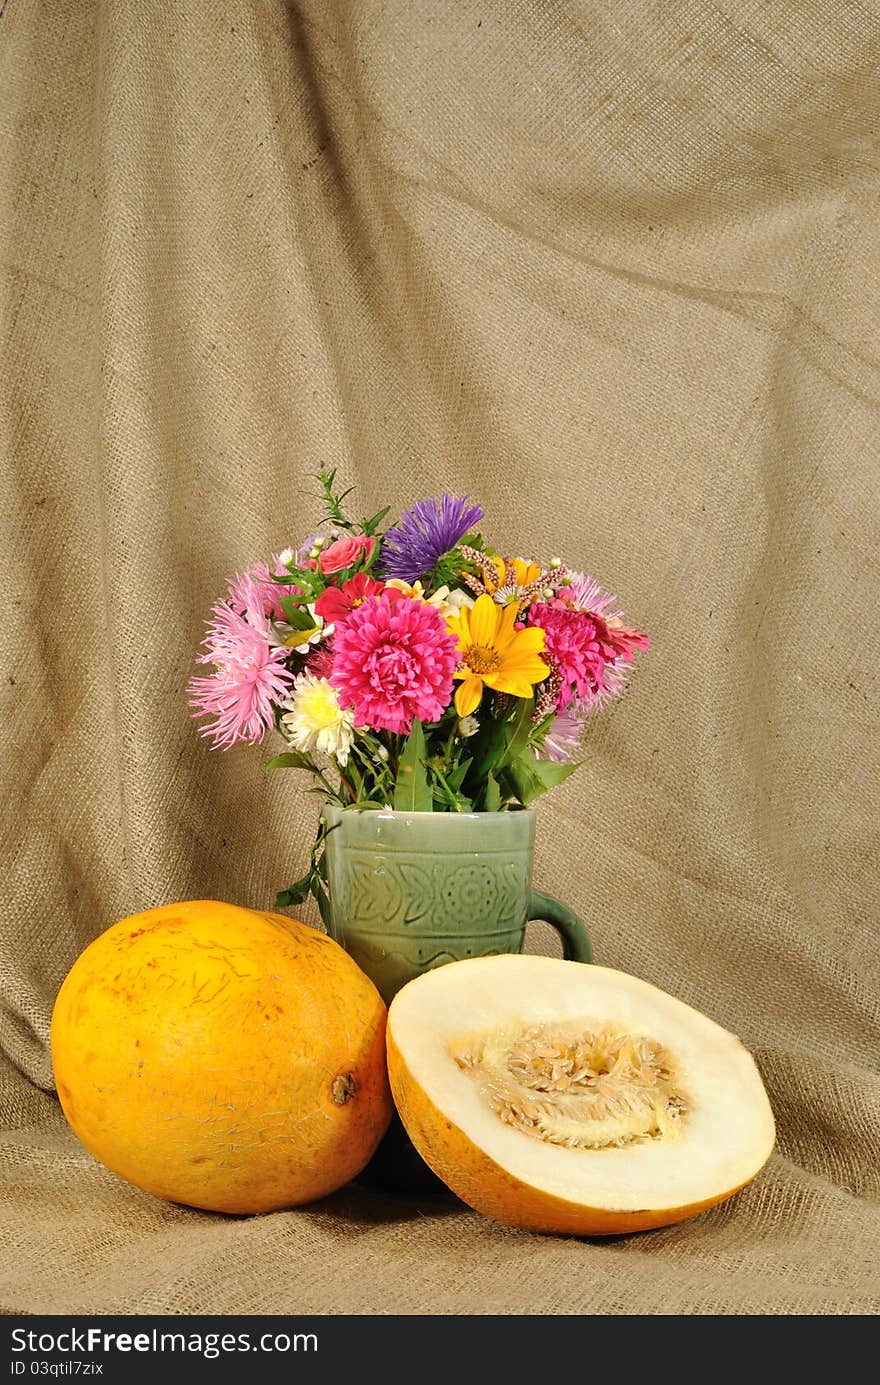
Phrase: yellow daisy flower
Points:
(514, 572)
(494, 654)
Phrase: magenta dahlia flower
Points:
(250, 676)
(392, 661)
(577, 651)
(585, 650)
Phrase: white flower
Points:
(286, 557)
(468, 726)
(459, 598)
(316, 721)
(439, 600)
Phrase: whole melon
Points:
(221, 1057)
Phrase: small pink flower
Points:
(394, 660)
(250, 677)
(346, 552)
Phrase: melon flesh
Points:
(519, 1154)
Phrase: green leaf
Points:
(531, 776)
(446, 794)
(323, 899)
(291, 759)
(296, 616)
(310, 582)
(369, 526)
(297, 893)
(493, 794)
(315, 879)
(456, 777)
(333, 499)
(523, 781)
(518, 727)
(489, 746)
(411, 792)
(353, 774)
(551, 773)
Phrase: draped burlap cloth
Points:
(611, 268)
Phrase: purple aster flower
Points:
(427, 531)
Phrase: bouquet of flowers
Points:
(411, 667)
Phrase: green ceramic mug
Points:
(410, 891)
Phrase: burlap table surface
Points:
(610, 268)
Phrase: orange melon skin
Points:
(221, 1057)
(491, 1190)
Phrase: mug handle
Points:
(575, 938)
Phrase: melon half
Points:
(570, 1098)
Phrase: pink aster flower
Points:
(585, 594)
(565, 735)
(250, 676)
(564, 739)
(394, 660)
(623, 640)
(253, 591)
(613, 684)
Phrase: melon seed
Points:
(581, 1085)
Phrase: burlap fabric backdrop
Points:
(610, 268)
